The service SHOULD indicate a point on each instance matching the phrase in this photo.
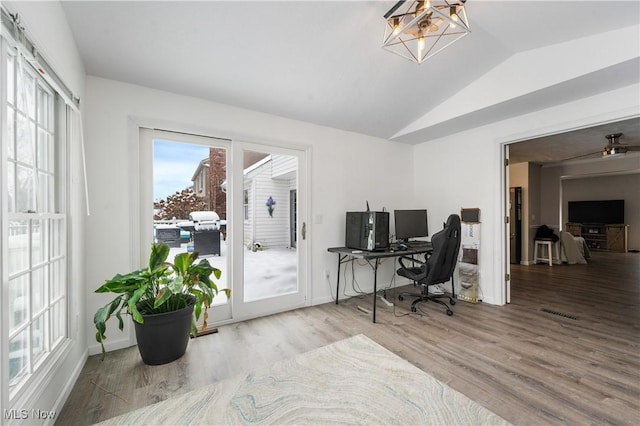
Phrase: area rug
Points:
(353, 381)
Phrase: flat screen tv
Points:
(601, 211)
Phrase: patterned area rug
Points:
(353, 381)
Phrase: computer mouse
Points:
(402, 246)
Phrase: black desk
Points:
(346, 254)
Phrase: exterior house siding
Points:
(199, 179)
(270, 231)
(284, 166)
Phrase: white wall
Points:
(465, 170)
(535, 209)
(346, 169)
(46, 25)
(519, 176)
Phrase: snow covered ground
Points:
(268, 272)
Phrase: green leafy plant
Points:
(159, 288)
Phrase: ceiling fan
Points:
(615, 148)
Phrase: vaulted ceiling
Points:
(322, 61)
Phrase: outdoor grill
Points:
(204, 227)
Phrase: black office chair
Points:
(438, 268)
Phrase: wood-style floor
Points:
(578, 365)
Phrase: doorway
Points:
(543, 163)
(263, 275)
(181, 187)
(515, 224)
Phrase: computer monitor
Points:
(410, 224)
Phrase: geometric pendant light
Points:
(417, 30)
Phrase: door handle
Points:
(304, 230)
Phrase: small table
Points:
(346, 254)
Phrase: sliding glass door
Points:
(272, 256)
(184, 202)
(239, 205)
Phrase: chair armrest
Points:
(409, 259)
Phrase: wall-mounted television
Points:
(600, 211)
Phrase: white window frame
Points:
(54, 250)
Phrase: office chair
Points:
(438, 267)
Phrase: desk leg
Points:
(338, 279)
(375, 287)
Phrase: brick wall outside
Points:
(217, 199)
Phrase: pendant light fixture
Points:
(417, 30)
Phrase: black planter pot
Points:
(163, 338)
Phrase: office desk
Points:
(346, 254)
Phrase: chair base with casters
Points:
(424, 296)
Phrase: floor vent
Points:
(549, 311)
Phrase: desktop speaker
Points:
(367, 230)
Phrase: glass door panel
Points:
(258, 208)
(189, 210)
(270, 261)
(272, 251)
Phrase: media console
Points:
(600, 236)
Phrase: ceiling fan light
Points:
(612, 155)
(614, 148)
(614, 151)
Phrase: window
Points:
(34, 255)
(245, 205)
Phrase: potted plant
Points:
(164, 300)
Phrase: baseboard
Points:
(323, 300)
(96, 349)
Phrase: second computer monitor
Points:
(410, 224)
